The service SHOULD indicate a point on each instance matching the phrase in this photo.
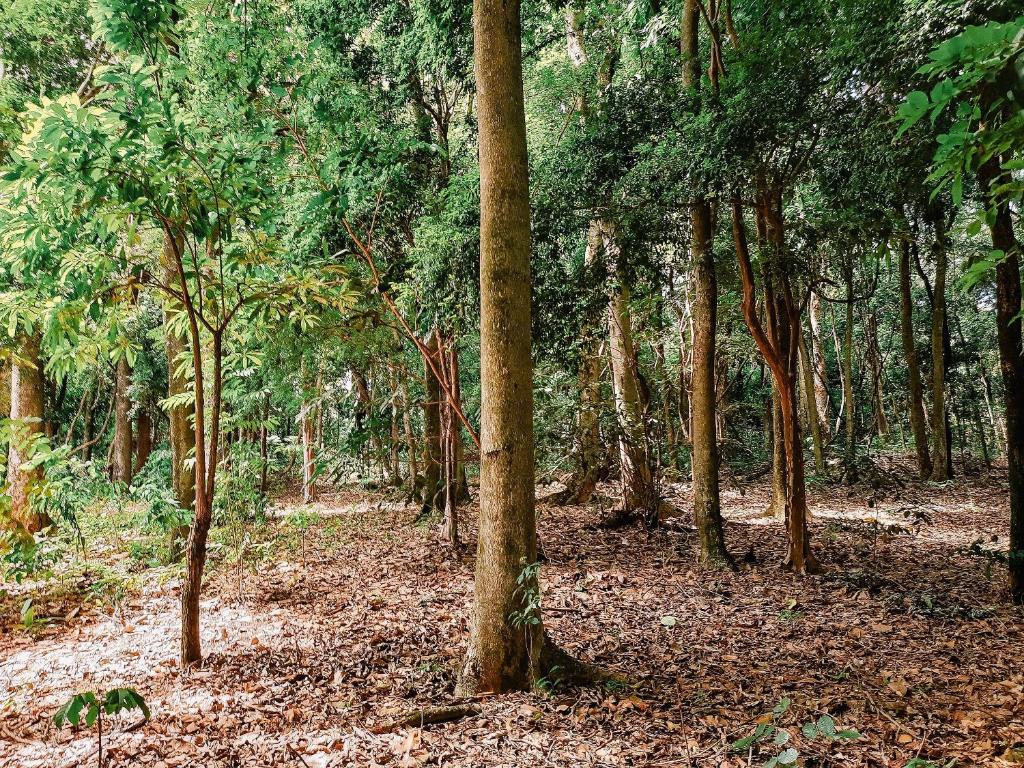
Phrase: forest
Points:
(524, 383)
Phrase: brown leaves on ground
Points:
(908, 638)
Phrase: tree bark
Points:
(811, 402)
(817, 357)
(875, 362)
(707, 508)
(941, 467)
(850, 454)
(181, 434)
(779, 346)
(430, 498)
(505, 653)
(26, 388)
(1011, 358)
(121, 459)
(915, 396)
(638, 491)
(144, 439)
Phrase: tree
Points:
(507, 642)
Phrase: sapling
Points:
(88, 708)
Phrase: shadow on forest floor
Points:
(311, 652)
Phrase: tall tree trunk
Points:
(915, 397)
(941, 468)
(121, 459)
(1011, 358)
(780, 348)
(587, 447)
(638, 491)
(26, 387)
(507, 643)
(707, 510)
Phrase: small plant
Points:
(31, 621)
(529, 614)
(769, 737)
(89, 708)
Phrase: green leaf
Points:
(668, 621)
(788, 757)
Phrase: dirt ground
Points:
(315, 651)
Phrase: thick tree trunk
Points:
(506, 644)
(707, 509)
(915, 396)
(1011, 358)
(638, 491)
(121, 458)
(26, 388)
(144, 439)
(941, 467)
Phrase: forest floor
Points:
(339, 618)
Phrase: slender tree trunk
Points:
(780, 348)
(307, 418)
(410, 436)
(850, 455)
(181, 433)
(817, 357)
(813, 420)
(877, 385)
(395, 440)
(1011, 358)
(915, 397)
(264, 456)
(26, 388)
(506, 645)
(450, 450)
(587, 442)
(941, 468)
(432, 490)
(707, 511)
(121, 459)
